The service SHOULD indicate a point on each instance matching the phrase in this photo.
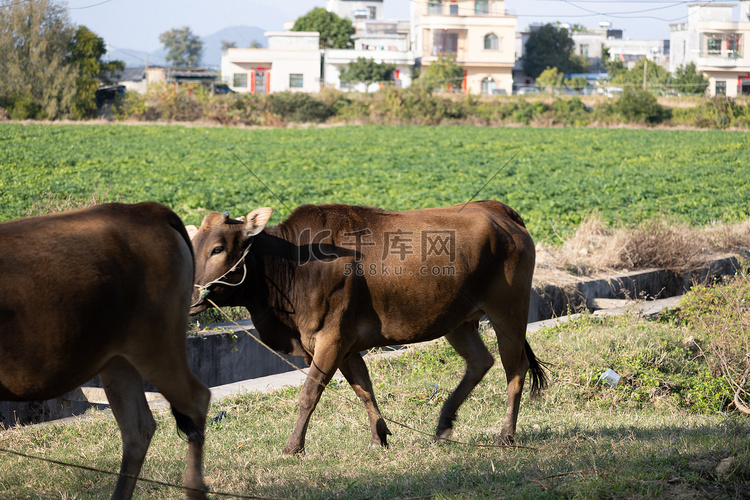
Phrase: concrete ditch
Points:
(226, 358)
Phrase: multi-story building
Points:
(379, 40)
(376, 38)
(717, 44)
(478, 33)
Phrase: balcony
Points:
(462, 9)
(725, 60)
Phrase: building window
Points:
(435, 6)
(714, 46)
(584, 49)
(488, 85)
(239, 80)
(454, 9)
(445, 43)
(721, 87)
(295, 80)
(373, 12)
(734, 46)
(481, 7)
(491, 42)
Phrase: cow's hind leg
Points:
(124, 388)
(468, 343)
(517, 358)
(189, 399)
(356, 373)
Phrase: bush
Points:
(720, 313)
(299, 107)
(238, 109)
(26, 108)
(132, 105)
(720, 112)
(640, 106)
(570, 112)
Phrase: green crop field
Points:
(553, 176)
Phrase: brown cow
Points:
(103, 290)
(333, 280)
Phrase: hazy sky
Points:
(136, 24)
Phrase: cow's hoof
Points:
(505, 440)
(442, 436)
(376, 444)
(293, 450)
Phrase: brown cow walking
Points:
(333, 280)
(103, 290)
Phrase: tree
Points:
(613, 66)
(227, 45)
(687, 80)
(550, 79)
(656, 76)
(255, 44)
(577, 83)
(367, 71)
(37, 79)
(550, 47)
(183, 47)
(444, 73)
(86, 53)
(335, 32)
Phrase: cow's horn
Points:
(224, 217)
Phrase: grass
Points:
(557, 178)
(582, 439)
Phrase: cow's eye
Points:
(217, 250)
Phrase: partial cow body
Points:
(103, 291)
(333, 280)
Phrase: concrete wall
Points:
(550, 301)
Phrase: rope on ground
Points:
(137, 478)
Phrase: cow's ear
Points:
(192, 231)
(257, 220)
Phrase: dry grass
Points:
(656, 243)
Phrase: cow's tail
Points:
(539, 378)
(188, 428)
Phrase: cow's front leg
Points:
(356, 373)
(325, 361)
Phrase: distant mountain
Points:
(242, 36)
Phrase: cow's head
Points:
(221, 245)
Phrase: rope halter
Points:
(204, 289)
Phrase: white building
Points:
(717, 44)
(291, 62)
(383, 41)
(631, 51)
(376, 40)
(356, 10)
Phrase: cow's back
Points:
(80, 287)
(413, 275)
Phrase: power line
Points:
(90, 6)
